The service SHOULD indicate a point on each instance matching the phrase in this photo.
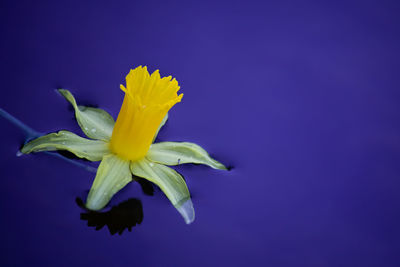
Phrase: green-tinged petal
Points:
(112, 175)
(96, 123)
(170, 182)
(92, 150)
(161, 125)
(175, 153)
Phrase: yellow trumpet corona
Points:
(147, 100)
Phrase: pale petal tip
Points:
(219, 166)
(61, 91)
(223, 168)
(187, 211)
(93, 206)
(95, 202)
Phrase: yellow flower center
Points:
(147, 100)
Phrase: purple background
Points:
(301, 98)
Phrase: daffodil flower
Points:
(126, 147)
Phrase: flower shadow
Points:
(123, 216)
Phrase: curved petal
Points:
(170, 182)
(96, 123)
(92, 150)
(175, 153)
(112, 175)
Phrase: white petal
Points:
(112, 175)
(96, 123)
(170, 182)
(92, 150)
(175, 153)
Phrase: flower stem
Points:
(76, 163)
(31, 134)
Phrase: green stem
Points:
(32, 134)
(29, 132)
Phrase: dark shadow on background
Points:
(146, 186)
(125, 215)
